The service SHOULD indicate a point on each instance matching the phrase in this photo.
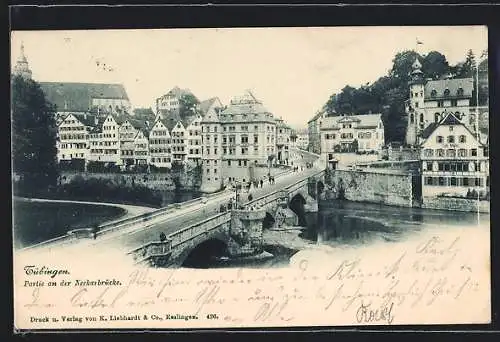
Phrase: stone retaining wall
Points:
(367, 186)
(456, 204)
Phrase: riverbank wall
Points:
(391, 187)
(456, 204)
(186, 180)
(373, 186)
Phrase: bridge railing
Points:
(275, 194)
(157, 248)
(74, 235)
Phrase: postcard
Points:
(250, 177)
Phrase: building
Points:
(194, 141)
(237, 139)
(104, 141)
(351, 133)
(454, 160)
(72, 137)
(160, 149)
(141, 148)
(283, 133)
(313, 127)
(171, 100)
(22, 67)
(299, 139)
(92, 98)
(178, 142)
(128, 132)
(432, 100)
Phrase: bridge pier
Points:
(311, 205)
(245, 234)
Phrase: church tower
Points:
(415, 105)
(22, 68)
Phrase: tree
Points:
(435, 65)
(33, 136)
(402, 67)
(188, 106)
(469, 66)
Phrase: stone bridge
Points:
(237, 233)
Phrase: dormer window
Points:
(447, 92)
(460, 91)
(433, 93)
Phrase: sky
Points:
(293, 71)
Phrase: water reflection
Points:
(343, 222)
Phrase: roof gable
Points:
(72, 96)
(449, 88)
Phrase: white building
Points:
(454, 161)
(179, 143)
(235, 140)
(141, 148)
(352, 133)
(171, 100)
(194, 141)
(104, 141)
(431, 100)
(283, 133)
(160, 145)
(72, 133)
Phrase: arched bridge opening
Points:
(320, 187)
(268, 221)
(297, 205)
(206, 254)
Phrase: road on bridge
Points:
(128, 239)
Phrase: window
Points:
(451, 153)
(428, 152)
(439, 139)
(462, 139)
(421, 117)
(447, 92)
(436, 117)
(433, 93)
(462, 152)
(428, 180)
(453, 181)
(440, 152)
(473, 152)
(412, 118)
(451, 138)
(441, 181)
(460, 92)
(453, 103)
(416, 104)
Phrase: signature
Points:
(367, 313)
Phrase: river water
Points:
(344, 224)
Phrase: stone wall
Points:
(402, 153)
(456, 204)
(366, 186)
(189, 180)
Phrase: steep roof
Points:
(316, 116)
(207, 104)
(429, 129)
(453, 85)
(246, 105)
(449, 120)
(69, 96)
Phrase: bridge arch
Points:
(268, 221)
(297, 205)
(320, 187)
(202, 255)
